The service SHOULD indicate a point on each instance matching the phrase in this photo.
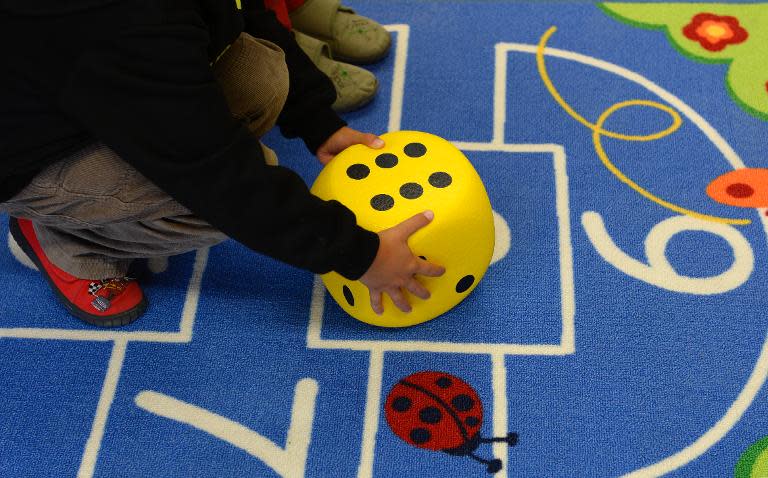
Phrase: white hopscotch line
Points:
(92, 446)
(372, 415)
(500, 411)
(189, 313)
(398, 75)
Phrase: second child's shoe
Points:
(352, 38)
(106, 303)
(355, 86)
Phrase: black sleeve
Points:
(307, 113)
(150, 95)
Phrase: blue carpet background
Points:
(653, 370)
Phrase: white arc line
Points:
(747, 395)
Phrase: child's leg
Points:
(254, 79)
(92, 213)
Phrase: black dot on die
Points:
(415, 150)
(463, 403)
(358, 171)
(443, 382)
(440, 179)
(411, 190)
(465, 283)
(401, 404)
(420, 436)
(348, 295)
(386, 160)
(382, 202)
(472, 421)
(430, 415)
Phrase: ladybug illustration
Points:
(438, 411)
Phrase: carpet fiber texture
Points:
(620, 330)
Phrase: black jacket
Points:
(136, 75)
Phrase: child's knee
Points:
(254, 77)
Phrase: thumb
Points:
(372, 141)
(413, 224)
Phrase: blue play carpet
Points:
(623, 331)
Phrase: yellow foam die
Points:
(414, 172)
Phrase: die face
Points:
(414, 172)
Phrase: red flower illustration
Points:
(714, 32)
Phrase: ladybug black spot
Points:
(420, 436)
(415, 150)
(422, 258)
(430, 415)
(401, 404)
(443, 382)
(472, 421)
(358, 171)
(348, 295)
(465, 283)
(386, 160)
(382, 202)
(463, 403)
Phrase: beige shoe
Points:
(355, 86)
(352, 38)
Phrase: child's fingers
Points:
(373, 141)
(399, 299)
(430, 270)
(376, 302)
(416, 288)
(414, 223)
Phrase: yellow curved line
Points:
(598, 131)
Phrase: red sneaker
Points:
(107, 303)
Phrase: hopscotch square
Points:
(507, 313)
(30, 309)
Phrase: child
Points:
(130, 129)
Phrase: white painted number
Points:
(659, 271)
(288, 462)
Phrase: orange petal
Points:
(747, 187)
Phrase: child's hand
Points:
(344, 138)
(395, 266)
